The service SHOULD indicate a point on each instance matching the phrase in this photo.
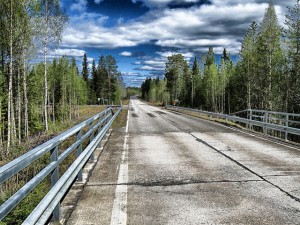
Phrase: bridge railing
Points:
(92, 131)
(285, 123)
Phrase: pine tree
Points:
(112, 76)
(175, 68)
(85, 70)
(94, 81)
(292, 38)
(195, 80)
(103, 78)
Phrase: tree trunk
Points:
(26, 133)
(19, 106)
(53, 105)
(10, 81)
(13, 122)
(45, 71)
(46, 87)
(1, 122)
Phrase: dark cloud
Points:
(182, 4)
(118, 8)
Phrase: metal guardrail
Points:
(267, 120)
(98, 126)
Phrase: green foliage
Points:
(22, 211)
(292, 41)
(132, 91)
(155, 90)
(85, 70)
(176, 68)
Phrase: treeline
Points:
(154, 90)
(106, 84)
(267, 76)
(35, 97)
(132, 91)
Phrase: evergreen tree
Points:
(112, 76)
(195, 80)
(292, 38)
(85, 70)
(176, 67)
(103, 78)
(95, 82)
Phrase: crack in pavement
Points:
(231, 159)
(246, 168)
(283, 175)
(170, 183)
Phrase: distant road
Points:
(169, 168)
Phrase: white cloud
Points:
(67, 52)
(221, 24)
(130, 74)
(125, 53)
(150, 68)
(79, 5)
(89, 59)
(186, 55)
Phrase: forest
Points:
(266, 76)
(38, 92)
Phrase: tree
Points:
(85, 70)
(292, 39)
(175, 68)
(270, 58)
(102, 90)
(112, 76)
(95, 81)
(210, 81)
(49, 24)
(248, 63)
(195, 80)
(14, 22)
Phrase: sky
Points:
(141, 34)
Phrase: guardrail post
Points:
(91, 139)
(286, 124)
(265, 121)
(250, 119)
(79, 151)
(54, 179)
(99, 128)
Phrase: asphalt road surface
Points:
(169, 168)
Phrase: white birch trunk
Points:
(26, 133)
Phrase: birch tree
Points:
(50, 23)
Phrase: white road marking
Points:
(119, 211)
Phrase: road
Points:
(169, 168)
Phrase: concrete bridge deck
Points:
(168, 168)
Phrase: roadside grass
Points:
(121, 119)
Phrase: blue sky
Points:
(141, 34)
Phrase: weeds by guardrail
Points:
(92, 131)
(279, 124)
